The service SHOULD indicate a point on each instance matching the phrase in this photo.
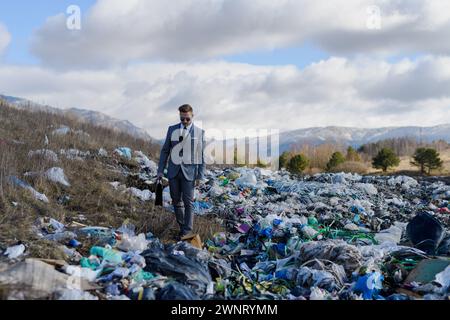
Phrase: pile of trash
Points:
(322, 237)
(141, 185)
(120, 266)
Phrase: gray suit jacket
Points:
(187, 155)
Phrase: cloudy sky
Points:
(284, 64)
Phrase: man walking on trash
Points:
(184, 150)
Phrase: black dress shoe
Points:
(180, 236)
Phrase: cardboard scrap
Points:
(194, 239)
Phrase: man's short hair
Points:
(185, 108)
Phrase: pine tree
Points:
(427, 159)
(385, 159)
(298, 163)
(336, 159)
(284, 159)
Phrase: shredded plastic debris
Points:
(321, 237)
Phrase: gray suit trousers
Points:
(182, 194)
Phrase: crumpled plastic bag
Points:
(145, 162)
(404, 181)
(45, 153)
(443, 278)
(308, 277)
(75, 295)
(133, 243)
(369, 285)
(14, 252)
(176, 291)
(318, 294)
(75, 154)
(124, 152)
(247, 180)
(337, 251)
(190, 268)
(33, 279)
(143, 195)
(57, 175)
(392, 234)
(17, 182)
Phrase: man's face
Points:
(186, 118)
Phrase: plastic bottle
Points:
(312, 221)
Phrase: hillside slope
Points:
(96, 118)
(90, 199)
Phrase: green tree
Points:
(298, 163)
(284, 159)
(385, 159)
(352, 155)
(427, 159)
(336, 159)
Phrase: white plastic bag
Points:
(57, 175)
(133, 243)
(15, 251)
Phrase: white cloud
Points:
(5, 38)
(428, 78)
(336, 91)
(116, 32)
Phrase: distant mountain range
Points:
(359, 136)
(90, 116)
(356, 137)
(288, 140)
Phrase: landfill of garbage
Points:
(323, 237)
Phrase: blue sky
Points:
(300, 56)
(21, 17)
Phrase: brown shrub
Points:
(352, 167)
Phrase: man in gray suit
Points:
(184, 150)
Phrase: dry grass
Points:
(353, 167)
(312, 171)
(405, 165)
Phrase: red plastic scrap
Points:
(444, 210)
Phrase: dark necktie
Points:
(183, 134)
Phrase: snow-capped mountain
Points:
(104, 120)
(288, 139)
(359, 136)
(90, 116)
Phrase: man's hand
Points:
(160, 176)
